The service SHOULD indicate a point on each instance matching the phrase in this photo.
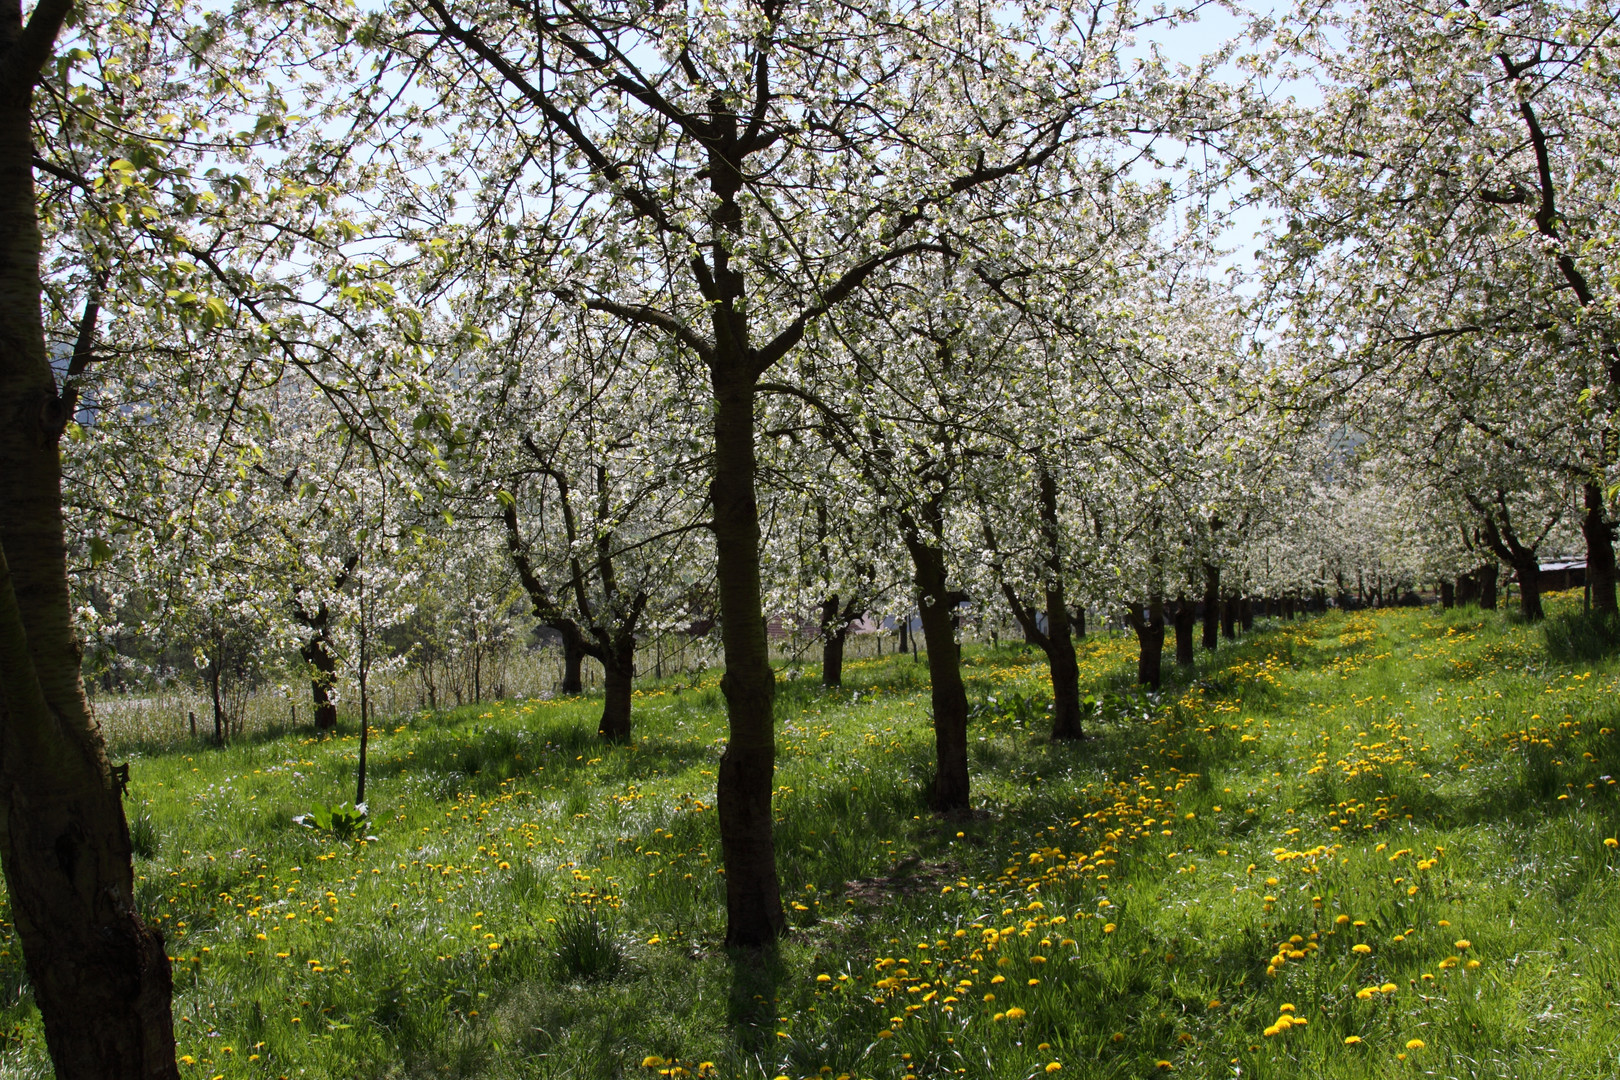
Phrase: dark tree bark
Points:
(1056, 640)
(1077, 623)
(1212, 607)
(1501, 537)
(1186, 619)
(214, 674)
(1488, 573)
(1599, 533)
(835, 622)
(1246, 614)
(1448, 594)
(611, 638)
(936, 604)
(317, 654)
(1467, 591)
(573, 645)
(1149, 626)
(618, 687)
(754, 915)
(1230, 611)
(99, 972)
(317, 650)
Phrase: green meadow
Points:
(1359, 845)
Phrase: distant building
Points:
(1563, 574)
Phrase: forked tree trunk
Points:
(754, 916)
(618, 687)
(1212, 606)
(98, 971)
(1186, 619)
(1599, 533)
(937, 610)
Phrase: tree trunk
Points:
(1065, 673)
(1077, 625)
(1467, 590)
(1488, 573)
(215, 673)
(1230, 610)
(99, 973)
(754, 916)
(618, 685)
(323, 675)
(1528, 569)
(1212, 606)
(834, 631)
(1600, 569)
(937, 609)
(1448, 594)
(1149, 627)
(1186, 618)
(573, 658)
(1246, 616)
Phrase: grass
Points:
(1362, 845)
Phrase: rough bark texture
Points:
(573, 680)
(1149, 626)
(99, 973)
(835, 622)
(1467, 590)
(1212, 606)
(1599, 533)
(1504, 540)
(1488, 574)
(1066, 717)
(317, 654)
(1186, 620)
(1528, 571)
(832, 658)
(936, 605)
(754, 916)
(618, 681)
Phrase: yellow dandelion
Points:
(1361, 949)
(1414, 1044)
(1352, 1040)
(1054, 1066)
(1463, 944)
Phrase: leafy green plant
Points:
(343, 821)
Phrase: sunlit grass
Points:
(1360, 845)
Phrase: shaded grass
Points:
(538, 904)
